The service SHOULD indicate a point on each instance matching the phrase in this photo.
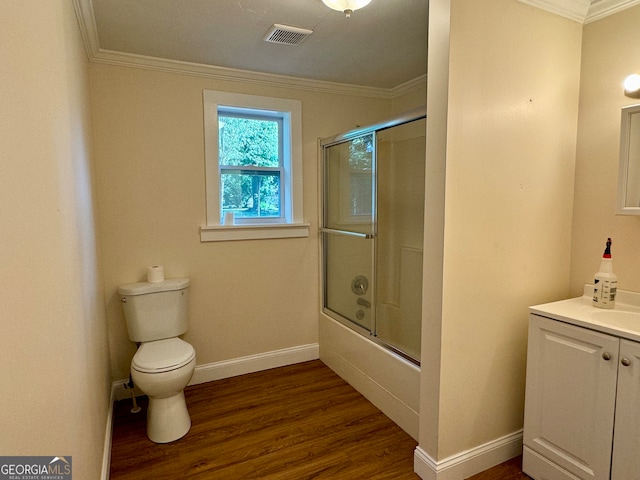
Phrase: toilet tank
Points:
(155, 311)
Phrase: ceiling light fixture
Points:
(346, 6)
(632, 86)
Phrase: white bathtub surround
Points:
(391, 383)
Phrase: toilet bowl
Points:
(162, 369)
(156, 316)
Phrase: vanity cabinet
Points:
(626, 439)
(582, 408)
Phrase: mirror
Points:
(629, 172)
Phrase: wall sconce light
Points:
(346, 6)
(632, 86)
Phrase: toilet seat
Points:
(163, 355)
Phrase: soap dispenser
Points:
(605, 283)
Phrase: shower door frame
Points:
(410, 116)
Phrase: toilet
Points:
(156, 314)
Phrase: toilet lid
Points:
(163, 355)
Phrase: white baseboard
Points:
(470, 462)
(108, 435)
(254, 363)
(210, 372)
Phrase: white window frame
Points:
(291, 224)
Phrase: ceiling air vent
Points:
(287, 35)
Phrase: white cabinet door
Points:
(570, 397)
(626, 445)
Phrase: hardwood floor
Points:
(510, 470)
(291, 423)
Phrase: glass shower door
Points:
(372, 232)
(349, 230)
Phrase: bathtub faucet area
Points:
(364, 302)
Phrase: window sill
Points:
(225, 233)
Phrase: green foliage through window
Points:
(361, 175)
(250, 165)
(361, 153)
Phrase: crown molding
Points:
(87, 24)
(604, 8)
(576, 10)
(582, 11)
(419, 83)
(109, 57)
(95, 54)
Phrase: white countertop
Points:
(621, 321)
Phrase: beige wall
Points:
(247, 297)
(512, 116)
(54, 371)
(417, 97)
(508, 234)
(610, 52)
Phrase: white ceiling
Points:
(381, 47)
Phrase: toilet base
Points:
(167, 418)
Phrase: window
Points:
(360, 207)
(251, 166)
(253, 153)
(350, 182)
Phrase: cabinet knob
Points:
(606, 356)
(625, 361)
